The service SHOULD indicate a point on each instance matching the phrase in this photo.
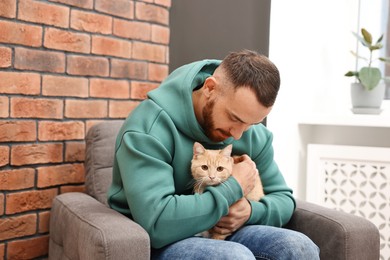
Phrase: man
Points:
(215, 104)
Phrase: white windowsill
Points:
(347, 118)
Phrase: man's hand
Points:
(238, 214)
(245, 171)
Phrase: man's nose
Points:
(237, 131)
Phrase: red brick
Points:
(45, 13)
(36, 108)
(17, 131)
(31, 248)
(110, 46)
(8, 9)
(105, 88)
(74, 151)
(90, 22)
(29, 200)
(166, 3)
(57, 131)
(122, 8)
(150, 52)
(132, 30)
(121, 109)
(151, 13)
(87, 4)
(48, 61)
(64, 86)
(36, 154)
(44, 222)
(18, 226)
(140, 89)
(85, 108)
(67, 40)
(87, 66)
(20, 83)
(4, 107)
(1, 210)
(17, 179)
(5, 57)
(4, 156)
(160, 34)
(129, 69)
(157, 72)
(60, 175)
(71, 188)
(18, 33)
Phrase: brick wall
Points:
(64, 66)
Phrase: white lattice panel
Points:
(355, 180)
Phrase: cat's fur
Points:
(213, 167)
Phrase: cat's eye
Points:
(220, 168)
(204, 167)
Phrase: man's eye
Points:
(233, 119)
(204, 167)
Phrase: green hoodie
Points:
(152, 183)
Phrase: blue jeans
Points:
(249, 242)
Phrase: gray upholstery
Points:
(339, 235)
(83, 227)
(99, 157)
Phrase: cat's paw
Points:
(219, 236)
(206, 234)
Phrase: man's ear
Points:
(209, 86)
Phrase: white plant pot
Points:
(367, 101)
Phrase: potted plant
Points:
(368, 92)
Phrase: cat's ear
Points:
(227, 151)
(198, 148)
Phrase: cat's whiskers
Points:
(198, 186)
(191, 183)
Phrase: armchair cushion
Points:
(99, 157)
(338, 234)
(83, 228)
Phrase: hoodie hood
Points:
(181, 84)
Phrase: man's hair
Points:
(250, 69)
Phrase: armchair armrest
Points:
(83, 228)
(339, 235)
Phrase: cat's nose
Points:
(212, 177)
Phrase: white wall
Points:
(310, 42)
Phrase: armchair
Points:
(82, 226)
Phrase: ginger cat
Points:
(213, 167)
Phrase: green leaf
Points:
(358, 56)
(370, 77)
(367, 36)
(361, 40)
(380, 39)
(376, 46)
(385, 59)
(351, 74)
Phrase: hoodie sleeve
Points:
(149, 189)
(278, 204)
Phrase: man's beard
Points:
(208, 124)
